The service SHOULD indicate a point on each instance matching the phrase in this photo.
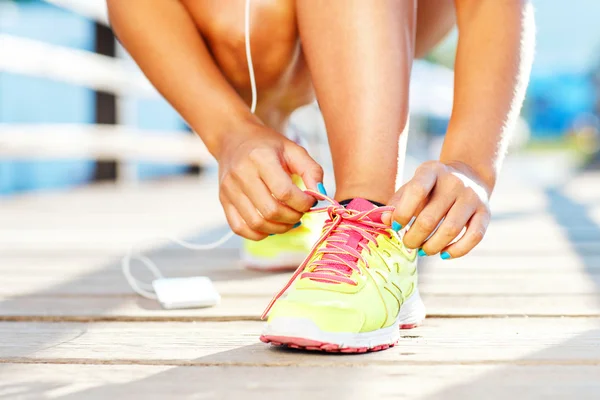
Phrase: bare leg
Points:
(360, 55)
(281, 73)
(435, 18)
(284, 82)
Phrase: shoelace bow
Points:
(334, 266)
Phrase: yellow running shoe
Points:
(354, 291)
(284, 252)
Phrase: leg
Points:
(360, 55)
(361, 77)
(282, 76)
(435, 18)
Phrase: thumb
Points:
(386, 218)
(299, 162)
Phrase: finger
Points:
(412, 195)
(455, 221)
(420, 208)
(269, 207)
(280, 184)
(252, 217)
(476, 228)
(428, 219)
(237, 223)
(301, 163)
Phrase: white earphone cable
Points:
(249, 56)
(145, 289)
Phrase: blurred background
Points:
(74, 109)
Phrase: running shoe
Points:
(283, 252)
(354, 291)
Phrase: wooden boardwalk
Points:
(519, 318)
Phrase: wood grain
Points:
(447, 382)
(489, 340)
(72, 328)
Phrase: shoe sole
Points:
(302, 333)
(282, 263)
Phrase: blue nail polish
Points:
(422, 253)
(396, 226)
(321, 189)
(297, 224)
(445, 255)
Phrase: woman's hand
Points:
(255, 184)
(449, 192)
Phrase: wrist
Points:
(478, 158)
(218, 135)
(485, 173)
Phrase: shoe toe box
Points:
(324, 316)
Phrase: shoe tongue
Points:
(359, 204)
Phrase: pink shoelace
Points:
(346, 233)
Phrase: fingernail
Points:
(422, 253)
(321, 189)
(445, 255)
(396, 226)
(297, 224)
(314, 205)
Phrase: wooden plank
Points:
(108, 218)
(544, 235)
(132, 307)
(534, 264)
(82, 226)
(111, 206)
(397, 381)
(448, 284)
(98, 201)
(237, 282)
(106, 341)
(103, 235)
(23, 240)
(182, 262)
(493, 340)
(96, 275)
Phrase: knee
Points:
(273, 39)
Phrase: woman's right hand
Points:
(255, 183)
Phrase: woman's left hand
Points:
(449, 192)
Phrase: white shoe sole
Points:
(303, 333)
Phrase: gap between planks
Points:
(292, 363)
(245, 318)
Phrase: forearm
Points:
(494, 56)
(164, 41)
